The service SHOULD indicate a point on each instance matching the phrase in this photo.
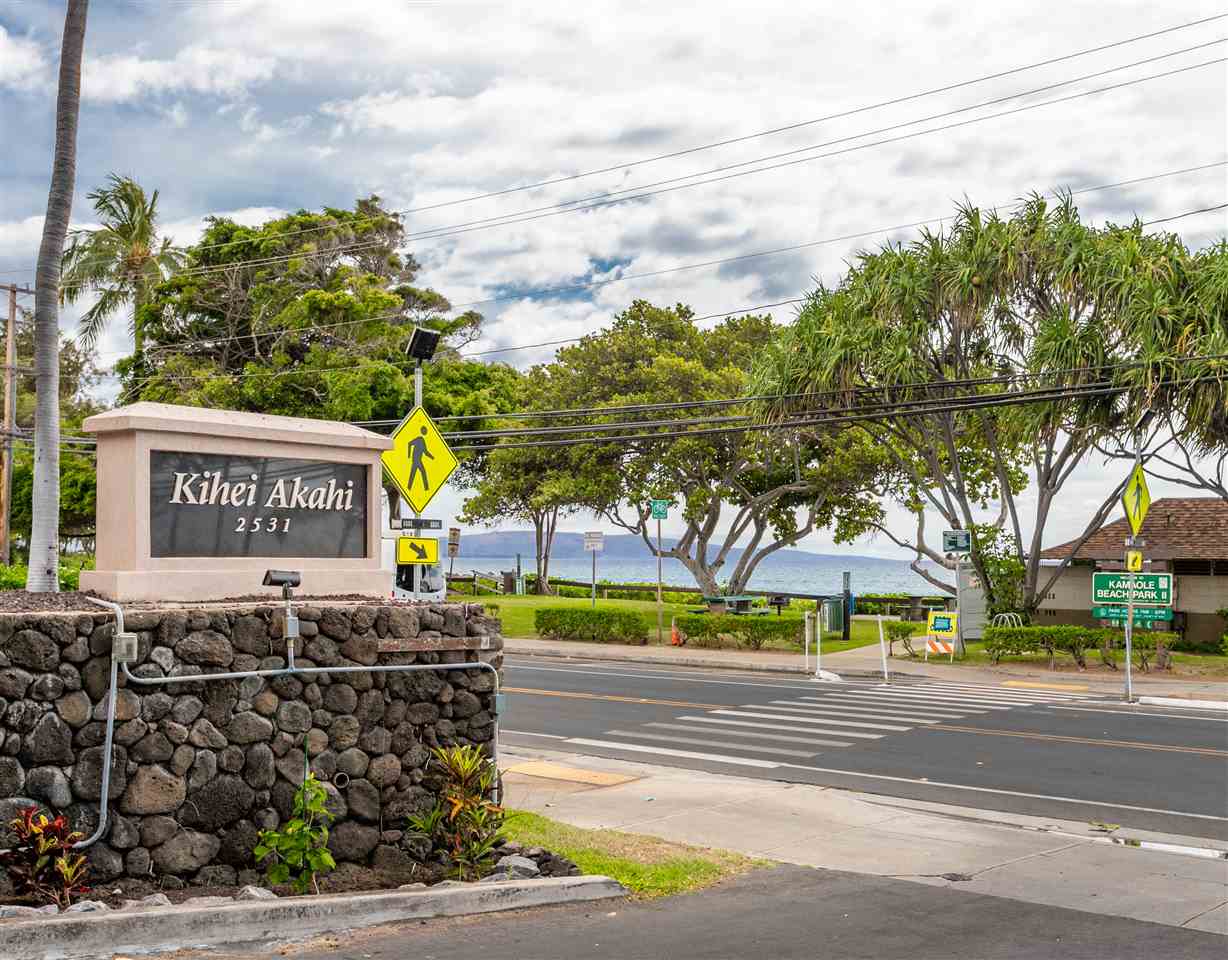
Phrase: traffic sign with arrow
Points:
(421, 550)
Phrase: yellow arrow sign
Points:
(417, 550)
(1136, 500)
(420, 460)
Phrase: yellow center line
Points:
(1131, 744)
(605, 696)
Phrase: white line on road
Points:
(811, 709)
(1007, 691)
(921, 696)
(794, 728)
(794, 685)
(854, 705)
(526, 733)
(749, 735)
(1127, 712)
(666, 752)
(1007, 793)
(695, 741)
(831, 723)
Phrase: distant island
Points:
(623, 546)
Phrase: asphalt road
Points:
(1020, 749)
(781, 913)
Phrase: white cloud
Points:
(212, 71)
(22, 64)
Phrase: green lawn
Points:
(647, 866)
(517, 615)
(1184, 664)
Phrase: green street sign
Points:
(1148, 589)
(1140, 613)
(660, 509)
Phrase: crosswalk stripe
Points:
(861, 700)
(792, 727)
(860, 705)
(750, 734)
(942, 698)
(667, 752)
(810, 710)
(1013, 691)
(919, 702)
(831, 723)
(696, 742)
(886, 713)
(980, 693)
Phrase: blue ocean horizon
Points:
(797, 573)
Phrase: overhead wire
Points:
(642, 191)
(866, 108)
(176, 346)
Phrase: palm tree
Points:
(121, 261)
(44, 570)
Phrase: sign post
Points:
(958, 542)
(660, 511)
(1135, 500)
(594, 543)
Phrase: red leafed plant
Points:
(42, 863)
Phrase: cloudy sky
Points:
(250, 107)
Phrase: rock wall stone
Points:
(199, 767)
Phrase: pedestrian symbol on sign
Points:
(418, 450)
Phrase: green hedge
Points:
(596, 626)
(1075, 641)
(13, 577)
(722, 630)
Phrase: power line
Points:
(895, 101)
(1188, 213)
(643, 191)
(648, 274)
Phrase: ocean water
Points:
(820, 574)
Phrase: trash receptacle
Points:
(833, 615)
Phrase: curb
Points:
(1188, 704)
(510, 648)
(97, 935)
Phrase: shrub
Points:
(465, 823)
(41, 864)
(900, 631)
(299, 850)
(13, 576)
(755, 632)
(597, 626)
(1076, 641)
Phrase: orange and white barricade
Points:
(938, 647)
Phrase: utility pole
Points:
(10, 415)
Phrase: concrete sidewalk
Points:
(1037, 860)
(867, 662)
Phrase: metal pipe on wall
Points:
(243, 675)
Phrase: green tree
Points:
(121, 261)
(79, 380)
(1038, 294)
(43, 575)
(756, 491)
(307, 315)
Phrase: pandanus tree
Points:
(1032, 306)
(121, 262)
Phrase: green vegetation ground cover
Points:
(647, 866)
(518, 614)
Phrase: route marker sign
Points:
(422, 550)
(660, 509)
(420, 460)
(453, 541)
(1136, 500)
(1148, 589)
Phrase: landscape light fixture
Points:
(422, 344)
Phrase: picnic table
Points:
(738, 604)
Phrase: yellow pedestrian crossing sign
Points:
(1136, 500)
(1134, 561)
(420, 460)
(418, 550)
